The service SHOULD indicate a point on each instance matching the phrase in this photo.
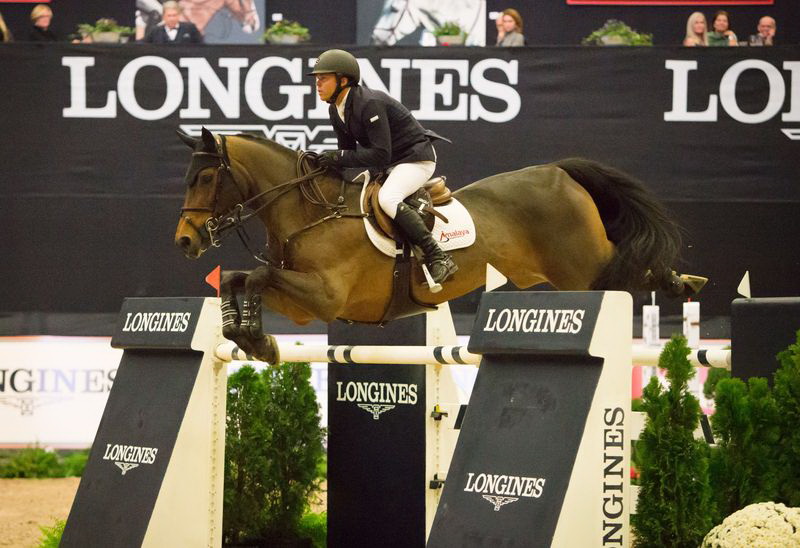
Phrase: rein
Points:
(216, 227)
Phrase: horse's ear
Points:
(209, 144)
(190, 141)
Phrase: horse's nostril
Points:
(184, 242)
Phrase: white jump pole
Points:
(449, 354)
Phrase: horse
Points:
(574, 223)
(399, 18)
(200, 12)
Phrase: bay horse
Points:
(574, 223)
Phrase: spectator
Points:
(766, 32)
(721, 34)
(5, 34)
(172, 30)
(696, 34)
(511, 35)
(41, 17)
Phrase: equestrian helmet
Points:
(338, 61)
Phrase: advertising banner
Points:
(92, 177)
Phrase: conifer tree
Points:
(787, 398)
(673, 506)
(743, 467)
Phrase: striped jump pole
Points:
(445, 355)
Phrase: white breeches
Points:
(404, 180)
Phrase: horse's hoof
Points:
(265, 349)
(692, 284)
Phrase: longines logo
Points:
(376, 397)
(614, 475)
(775, 101)
(534, 320)
(500, 490)
(128, 457)
(152, 322)
(449, 89)
(28, 389)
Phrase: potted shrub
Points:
(286, 32)
(617, 33)
(450, 34)
(105, 30)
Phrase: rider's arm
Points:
(376, 125)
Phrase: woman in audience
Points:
(5, 34)
(41, 17)
(721, 34)
(696, 27)
(510, 33)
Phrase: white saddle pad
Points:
(458, 233)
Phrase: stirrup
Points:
(450, 267)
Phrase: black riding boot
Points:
(440, 264)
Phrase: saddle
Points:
(433, 193)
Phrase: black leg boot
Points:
(439, 263)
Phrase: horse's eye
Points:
(206, 179)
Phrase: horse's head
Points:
(210, 193)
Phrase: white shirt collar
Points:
(340, 106)
(172, 33)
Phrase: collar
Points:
(342, 104)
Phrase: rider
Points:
(374, 130)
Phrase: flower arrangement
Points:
(617, 33)
(762, 524)
(286, 32)
(449, 33)
(105, 29)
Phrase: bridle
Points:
(218, 226)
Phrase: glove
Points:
(329, 158)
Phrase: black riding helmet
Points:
(341, 63)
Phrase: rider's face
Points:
(326, 85)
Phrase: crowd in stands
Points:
(174, 29)
(720, 33)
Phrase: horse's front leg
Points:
(298, 295)
(231, 285)
(257, 344)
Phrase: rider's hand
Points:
(329, 158)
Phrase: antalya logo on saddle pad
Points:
(458, 233)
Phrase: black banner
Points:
(92, 171)
(132, 449)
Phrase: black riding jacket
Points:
(379, 132)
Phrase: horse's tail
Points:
(647, 241)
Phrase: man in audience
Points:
(766, 32)
(172, 30)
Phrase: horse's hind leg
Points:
(677, 285)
